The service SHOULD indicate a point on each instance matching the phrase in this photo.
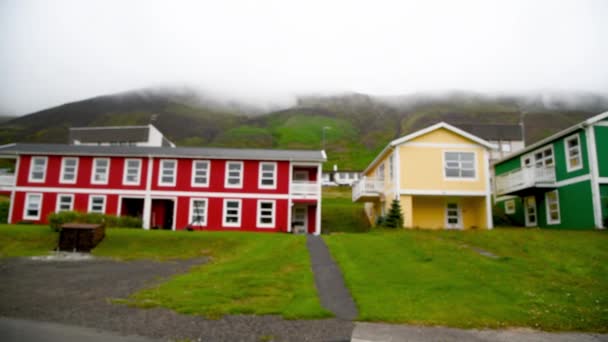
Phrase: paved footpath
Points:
(377, 332)
(334, 295)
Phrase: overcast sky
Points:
(52, 52)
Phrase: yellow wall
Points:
(429, 211)
(422, 166)
(388, 182)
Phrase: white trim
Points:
(602, 123)
(94, 168)
(576, 137)
(160, 172)
(572, 180)
(46, 165)
(147, 198)
(547, 211)
(602, 180)
(224, 213)
(511, 210)
(464, 179)
(396, 172)
(153, 192)
(9, 218)
(459, 217)
(274, 176)
(528, 223)
(62, 171)
(193, 182)
(300, 206)
(504, 198)
(120, 198)
(318, 214)
(486, 165)
(439, 145)
(532, 156)
(289, 202)
(57, 199)
(227, 185)
(90, 206)
(170, 198)
(272, 217)
(595, 178)
(442, 192)
(27, 202)
(205, 211)
(125, 181)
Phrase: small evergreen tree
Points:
(394, 218)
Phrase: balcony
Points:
(367, 189)
(305, 188)
(522, 179)
(7, 180)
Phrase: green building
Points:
(560, 181)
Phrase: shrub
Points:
(111, 221)
(4, 211)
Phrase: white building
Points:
(147, 135)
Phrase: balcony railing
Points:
(367, 188)
(304, 188)
(7, 180)
(525, 178)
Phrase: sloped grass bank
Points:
(551, 280)
(339, 214)
(26, 240)
(247, 273)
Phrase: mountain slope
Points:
(356, 126)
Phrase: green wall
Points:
(575, 205)
(601, 143)
(508, 165)
(559, 148)
(517, 219)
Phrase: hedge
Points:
(111, 221)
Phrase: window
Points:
(380, 172)
(544, 157)
(101, 168)
(167, 172)
(38, 169)
(200, 173)
(552, 199)
(459, 165)
(198, 211)
(232, 213)
(234, 174)
(33, 204)
(97, 204)
(510, 207)
(505, 147)
(266, 214)
(65, 203)
(573, 153)
(69, 169)
(391, 168)
(132, 172)
(268, 172)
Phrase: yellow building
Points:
(440, 175)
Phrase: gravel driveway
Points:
(77, 293)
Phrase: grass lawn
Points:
(340, 214)
(26, 240)
(249, 273)
(545, 279)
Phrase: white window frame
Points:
(62, 173)
(274, 176)
(380, 172)
(27, 204)
(160, 172)
(569, 167)
(204, 208)
(272, 217)
(32, 162)
(125, 180)
(452, 178)
(234, 186)
(547, 210)
(510, 206)
(207, 175)
(391, 167)
(225, 213)
(90, 206)
(59, 196)
(94, 170)
(532, 157)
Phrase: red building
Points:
(170, 188)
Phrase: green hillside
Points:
(356, 126)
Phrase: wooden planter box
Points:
(81, 237)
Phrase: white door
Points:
(530, 211)
(453, 219)
(299, 219)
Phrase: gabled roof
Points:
(592, 120)
(169, 152)
(109, 134)
(424, 131)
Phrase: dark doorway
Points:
(162, 214)
(133, 207)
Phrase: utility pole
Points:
(323, 135)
